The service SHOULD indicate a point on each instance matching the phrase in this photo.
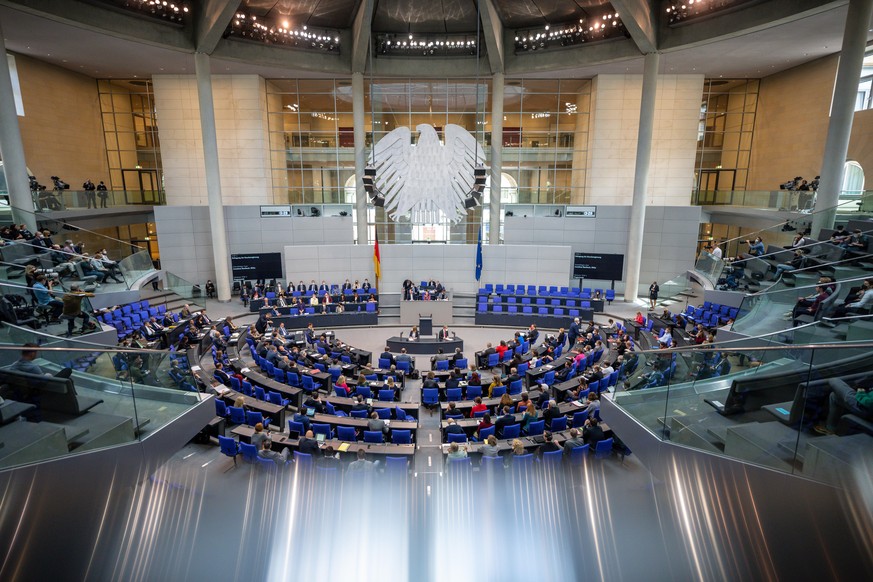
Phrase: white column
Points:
(842, 113)
(641, 177)
(358, 116)
(496, 156)
(213, 176)
(12, 149)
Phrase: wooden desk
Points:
(281, 441)
(492, 403)
(533, 375)
(361, 423)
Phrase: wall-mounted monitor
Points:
(598, 266)
(256, 266)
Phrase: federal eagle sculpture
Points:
(420, 181)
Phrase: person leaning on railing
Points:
(73, 309)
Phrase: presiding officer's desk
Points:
(424, 345)
(281, 441)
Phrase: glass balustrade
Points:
(181, 287)
(758, 400)
(784, 200)
(63, 397)
(60, 200)
(20, 307)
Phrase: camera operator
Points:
(90, 194)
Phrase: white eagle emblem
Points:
(420, 181)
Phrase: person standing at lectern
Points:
(443, 335)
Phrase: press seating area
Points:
(129, 318)
(710, 314)
(542, 300)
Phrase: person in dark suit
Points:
(347, 285)
(301, 417)
(533, 334)
(221, 375)
(504, 421)
(323, 288)
(301, 286)
(573, 334)
(314, 402)
(550, 413)
(592, 433)
(365, 286)
(453, 428)
(549, 446)
(361, 404)
(457, 356)
(387, 355)
(453, 381)
(443, 334)
(308, 445)
(313, 286)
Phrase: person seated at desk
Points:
(314, 402)
(329, 459)
(592, 433)
(355, 298)
(513, 376)
(501, 348)
(549, 446)
(489, 449)
(259, 436)
(341, 383)
(361, 464)
(558, 340)
(414, 335)
(504, 421)
(323, 288)
(361, 404)
(456, 356)
(485, 423)
(365, 286)
(855, 242)
(346, 285)
(529, 416)
(430, 381)
(496, 382)
(371, 299)
(301, 287)
(376, 424)
(387, 355)
(562, 374)
(404, 357)
(575, 441)
(326, 301)
(25, 363)
(548, 357)
(453, 428)
(452, 410)
(443, 334)
(524, 402)
(456, 452)
(266, 452)
(478, 406)
(307, 445)
(639, 319)
(313, 303)
(454, 380)
(550, 413)
(300, 416)
(517, 451)
(474, 379)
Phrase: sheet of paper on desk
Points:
(195, 368)
(245, 370)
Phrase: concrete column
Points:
(496, 156)
(213, 176)
(641, 177)
(842, 113)
(12, 149)
(358, 116)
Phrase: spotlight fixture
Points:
(425, 45)
(175, 12)
(684, 10)
(474, 198)
(374, 195)
(282, 33)
(603, 27)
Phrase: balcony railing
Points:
(55, 201)
(784, 200)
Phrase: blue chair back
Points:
(553, 457)
(461, 364)
(559, 424)
(221, 408)
(297, 427)
(228, 447)
(401, 437)
(358, 414)
(384, 363)
(493, 360)
(308, 383)
(321, 428)
(487, 432)
(456, 438)
(386, 395)
(498, 391)
(302, 459)
(430, 396)
(442, 365)
(453, 394)
(513, 431)
(253, 417)
(396, 464)
(248, 452)
(260, 393)
(603, 449)
(383, 413)
(237, 415)
(364, 391)
(579, 454)
(405, 366)
(473, 392)
(373, 436)
(536, 428)
(346, 433)
(516, 387)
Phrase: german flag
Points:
(377, 261)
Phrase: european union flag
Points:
(479, 256)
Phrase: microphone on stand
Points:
(401, 335)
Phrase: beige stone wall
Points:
(241, 129)
(613, 139)
(61, 128)
(861, 144)
(791, 124)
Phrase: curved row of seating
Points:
(129, 318)
(548, 291)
